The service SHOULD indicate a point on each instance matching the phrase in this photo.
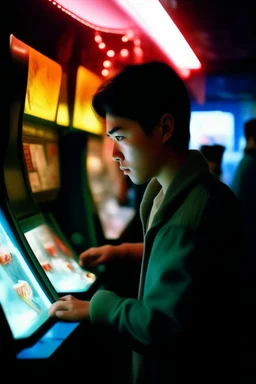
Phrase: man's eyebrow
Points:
(113, 130)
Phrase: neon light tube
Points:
(155, 21)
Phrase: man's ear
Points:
(167, 126)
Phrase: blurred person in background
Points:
(214, 154)
(244, 185)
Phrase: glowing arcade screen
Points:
(57, 260)
(23, 300)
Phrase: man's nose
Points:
(116, 153)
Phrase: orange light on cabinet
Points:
(63, 110)
(84, 117)
(43, 87)
(43, 80)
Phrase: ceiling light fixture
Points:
(151, 16)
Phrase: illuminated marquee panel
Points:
(43, 87)
(84, 117)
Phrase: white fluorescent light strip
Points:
(152, 17)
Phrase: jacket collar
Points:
(189, 173)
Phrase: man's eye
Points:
(119, 138)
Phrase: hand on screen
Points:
(69, 308)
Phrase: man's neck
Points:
(170, 169)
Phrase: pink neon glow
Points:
(98, 39)
(106, 63)
(105, 72)
(125, 39)
(110, 53)
(137, 42)
(124, 52)
(128, 17)
(104, 15)
(155, 21)
(185, 73)
(138, 51)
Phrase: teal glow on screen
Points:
(23, 300)
(57, 260)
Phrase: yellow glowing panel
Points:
(43, 87)
(63, 111)
(84, 117)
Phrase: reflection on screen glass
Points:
(57, 261)
(23, 300)
(42, 161)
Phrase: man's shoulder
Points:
(219, 193)
(209, 197)
(212, 188)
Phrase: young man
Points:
(185, 323)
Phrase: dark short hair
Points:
(250, 129)
(144, 93)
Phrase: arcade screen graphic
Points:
(23, 300)
(42, 161)
(57, 260)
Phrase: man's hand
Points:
(69, 308)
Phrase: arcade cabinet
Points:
(25, 297)
(116, 217)
(30, 340)
(7, 348)
(38, 342)
(32, 169)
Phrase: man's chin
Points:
(138, 181)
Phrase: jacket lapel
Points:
(190, 174)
